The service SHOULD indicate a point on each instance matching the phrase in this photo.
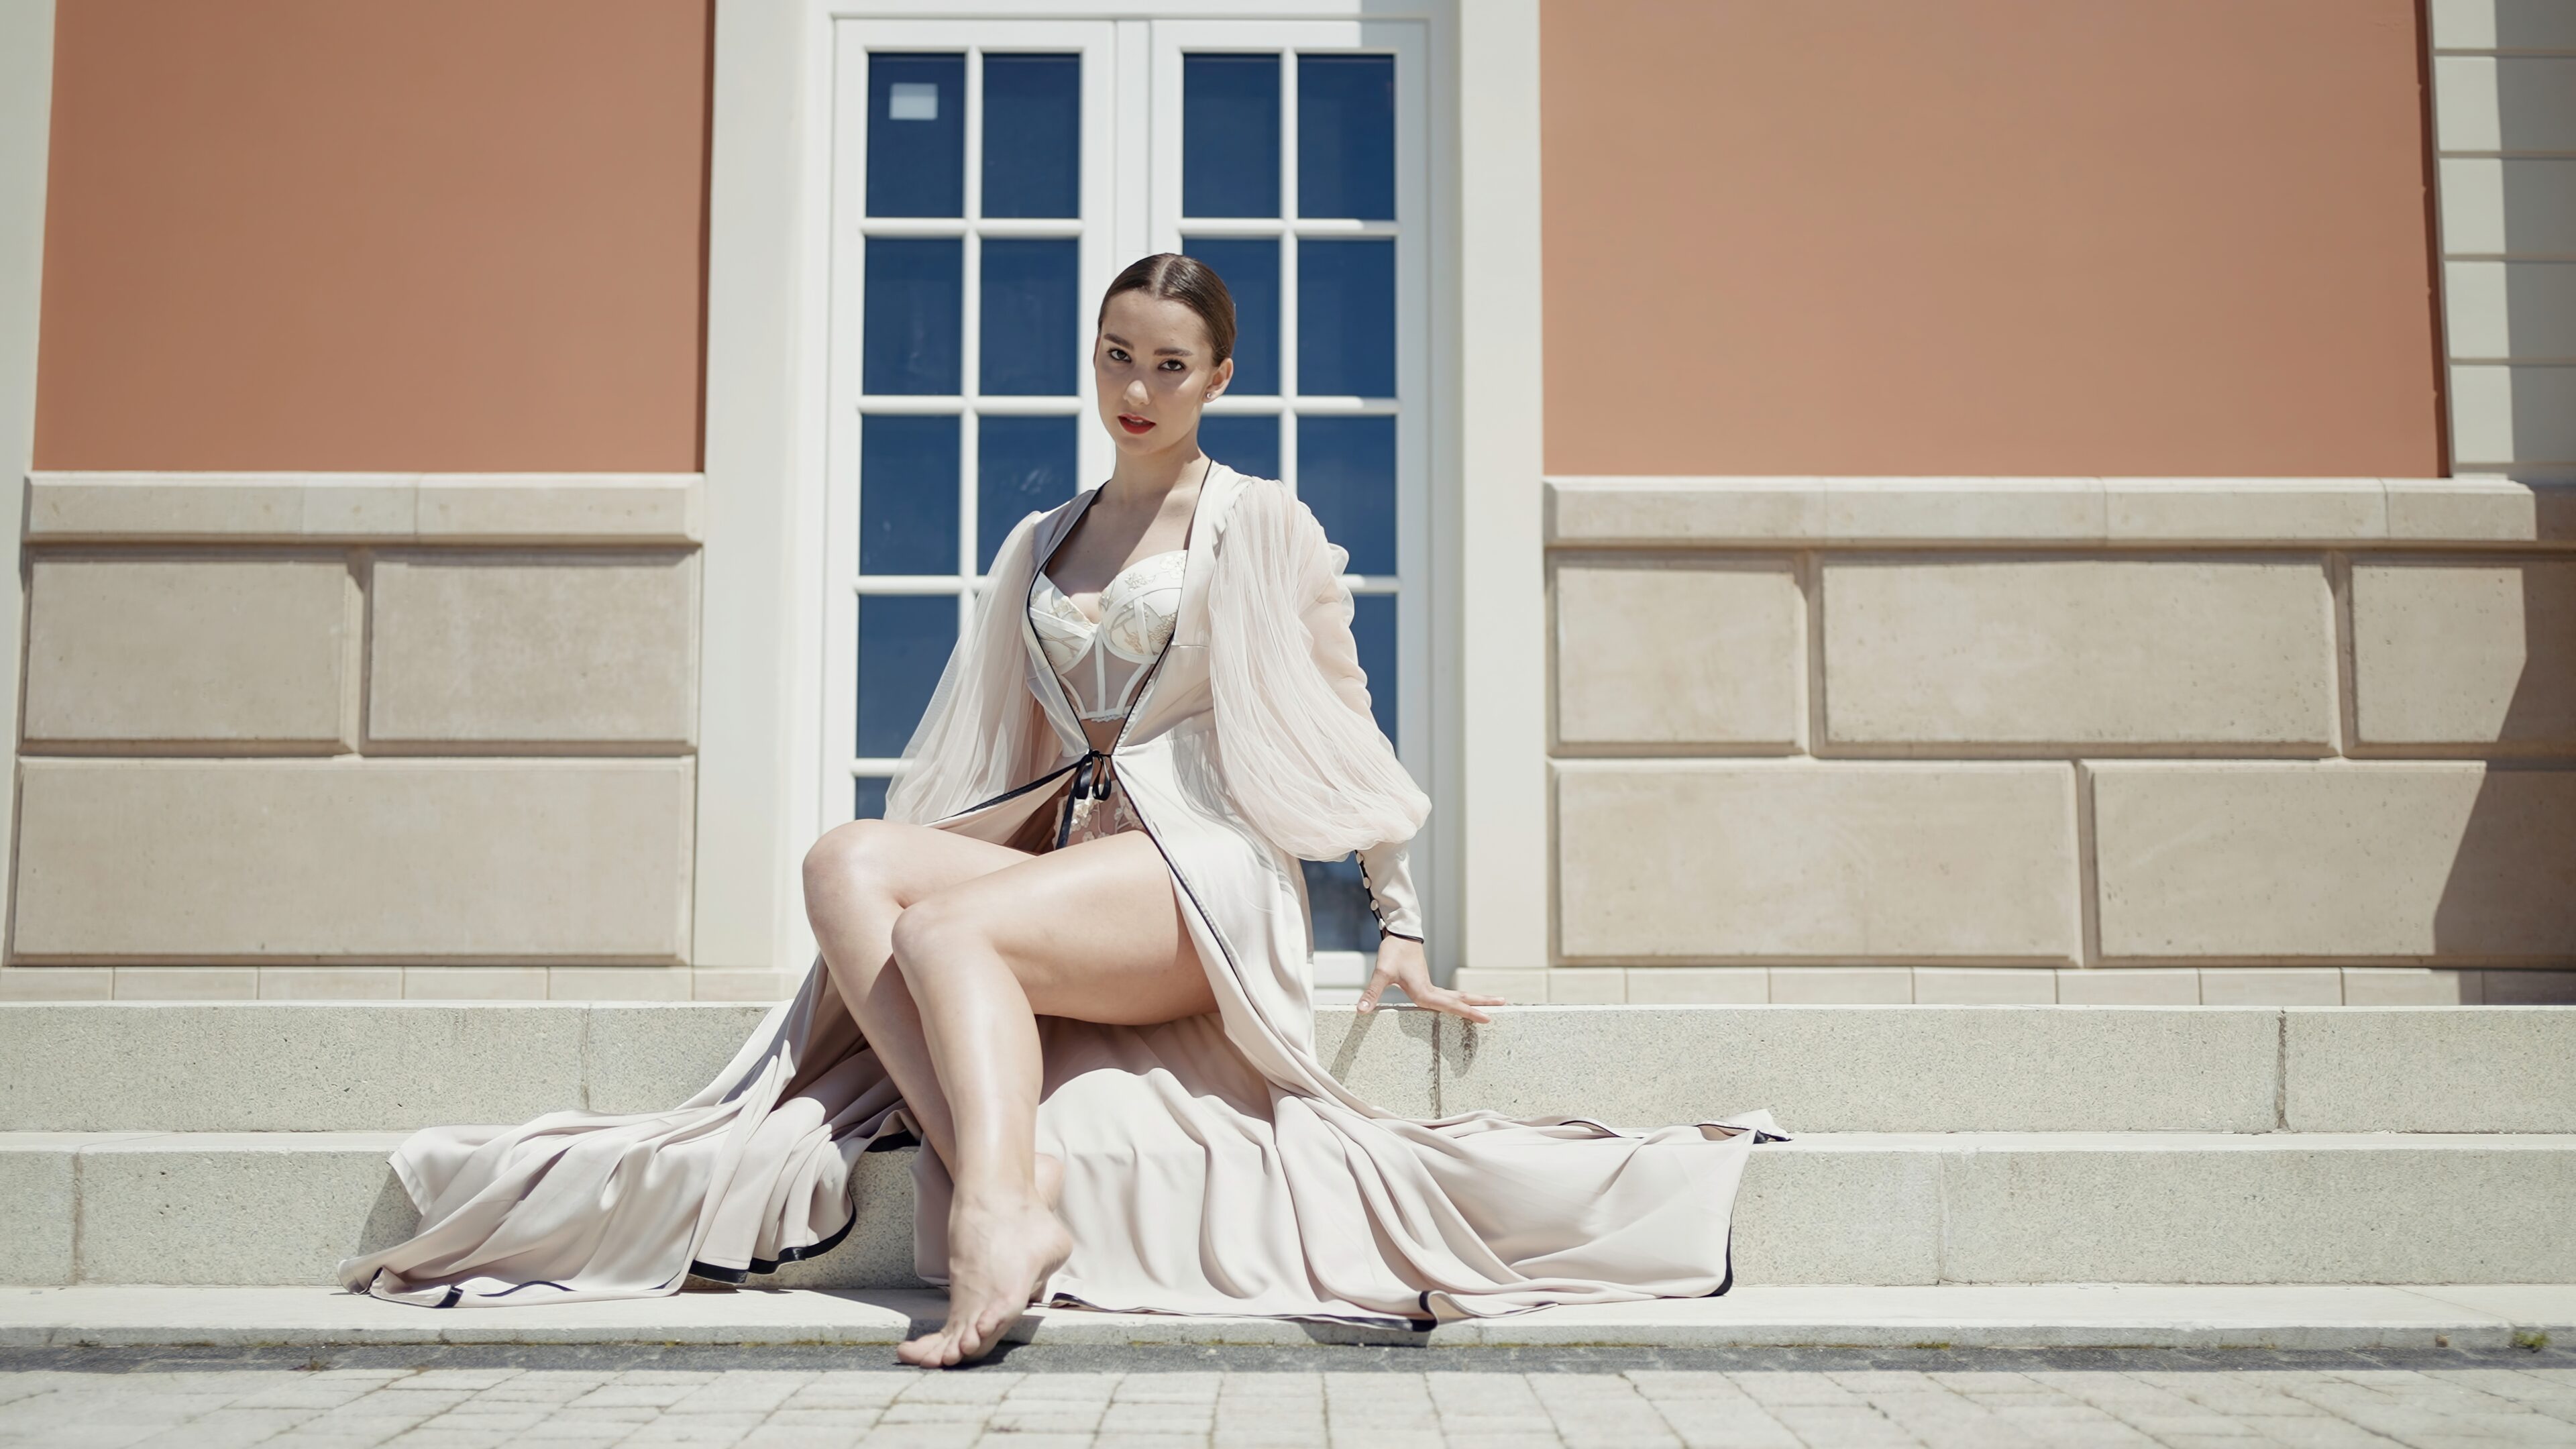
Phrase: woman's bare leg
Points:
(858, 879)
(1090, 932)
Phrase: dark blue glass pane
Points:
(1346, 318)
(1021, 464)
(1229, 135)
(916, 135)
(907, 495)
(1346, 473)
(1340, 906)
(1250, 268)
(870, 801)
(915, 327)
(1245, 444)
(903, 644)
(1030, 317)
(1373, 626)
(1346, 136)
(1032, 135)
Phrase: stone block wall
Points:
(371, 735)
(2080, 740)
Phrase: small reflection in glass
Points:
(916, 135)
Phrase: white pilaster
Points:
(1504, 914)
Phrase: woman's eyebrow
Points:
(1115, 340)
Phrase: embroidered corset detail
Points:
(1103, 663)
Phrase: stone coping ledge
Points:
(2047, 1315)
(1764, 512)
(444, 508)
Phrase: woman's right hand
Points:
(1401, 962)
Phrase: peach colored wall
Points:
(319, 234)
(1987, 237)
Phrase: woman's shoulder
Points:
(1247, 495)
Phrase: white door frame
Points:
(770, 405)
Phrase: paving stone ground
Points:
(1060, 1398)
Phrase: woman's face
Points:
(1155, 370)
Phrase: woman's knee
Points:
(934, 930)
(852, 856)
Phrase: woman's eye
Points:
(1117, 355)
(1173, 364)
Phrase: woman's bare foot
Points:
(998, 1257)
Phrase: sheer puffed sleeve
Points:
(1303, 757)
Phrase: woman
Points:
(1074, 960)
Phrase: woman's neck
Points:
(1141, 484)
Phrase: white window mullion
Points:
(970, 355)
(1288, 406)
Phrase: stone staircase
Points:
(244, 1143)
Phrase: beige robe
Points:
(1212, 1165)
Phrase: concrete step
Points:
(2094, 1315)
(327, 1067)
(1854, 1208)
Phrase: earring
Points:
(1211, 397)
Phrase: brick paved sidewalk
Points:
(470, 1399)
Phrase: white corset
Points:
(1102, 663)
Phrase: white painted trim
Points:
(512, 508)
(2014, 512)
(1505, 892)
(26, 118)
(757, 703)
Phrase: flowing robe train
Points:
(1212, 1164)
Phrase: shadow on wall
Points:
(2511, 891)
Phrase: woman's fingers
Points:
(1457, 1005)
(1376, 987)
(1418, 988)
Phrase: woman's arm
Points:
(1386, 868)
(1303, 758)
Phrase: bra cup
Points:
(1138, 612)
(1140, 606)
(1062, 630)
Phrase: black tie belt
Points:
(1093, 778)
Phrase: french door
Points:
(989, 178)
